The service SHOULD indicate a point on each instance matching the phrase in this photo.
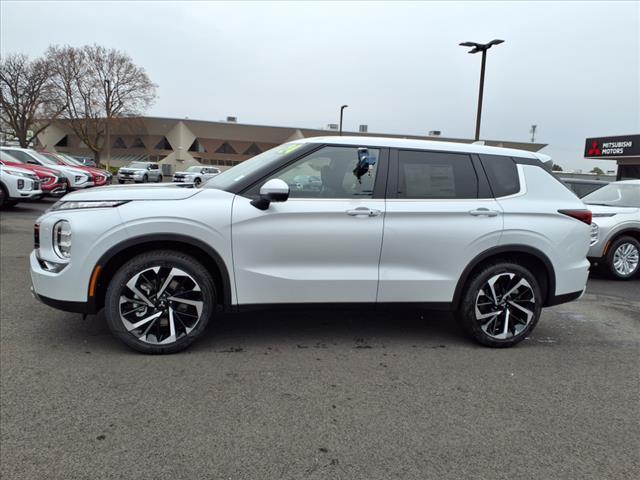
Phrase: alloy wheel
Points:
(505, 305)
(160, 305)
(625, 259)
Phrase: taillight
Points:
(583, 215)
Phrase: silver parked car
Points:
(140, 172)
(196, 174)
(615, 231)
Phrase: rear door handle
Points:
(478, 212)
(369, 212)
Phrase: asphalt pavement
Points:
(335, 394)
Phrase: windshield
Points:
(137, 165)
(194, 169)
(44, 159)
(228, 178)
(615, 195)
(7, 157)
(69, 160)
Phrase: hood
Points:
(34, 168)
(10, 168)
(604, 209)
(143, 191)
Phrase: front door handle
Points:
(369, 212)
(478, 212)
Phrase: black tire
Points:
(142, 263)
(197, 182)
(524, 323)
(609, 262)
(4, 197)
(121, 181)
(159, 180)
(145, 178)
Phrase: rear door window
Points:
(502, 173)
(424, 174)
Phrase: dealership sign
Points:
(614, 147)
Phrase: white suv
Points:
(486, 232)
(17, 184)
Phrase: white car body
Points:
(195, 174)
(140, 172)
(78, 179)
(18, 184)
(612, 220)
(328, 250)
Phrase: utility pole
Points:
(341, 111)
(480, 47)
(533, 133)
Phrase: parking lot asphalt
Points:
(307, 394)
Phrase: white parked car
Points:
(140, 172)
(17, 184)
(486, 232)
(77, 178)
(615, 238)
(196, 174)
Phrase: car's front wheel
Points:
(160, 301)
(623, 258)
(197, 182)
(501, 304)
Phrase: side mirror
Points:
(274, 190)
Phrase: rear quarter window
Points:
(502, 173)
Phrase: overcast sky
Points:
(571, 68)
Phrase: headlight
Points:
(595, 231)
(62, 205)
(62, 239)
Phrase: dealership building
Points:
(180, 143)
(624, 149)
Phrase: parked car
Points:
(583, 186)
(16, 185)
(98, 177)
(196, 174)
(485, 232)
(77, 178)
(52, 183)
(615, 231)
(140, 172)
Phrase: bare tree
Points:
(28, 101)
(98, 85)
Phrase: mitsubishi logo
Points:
(594, 150)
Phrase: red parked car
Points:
(51, 181)
(100, 177)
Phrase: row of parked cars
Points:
(27, 174)
(143, 172)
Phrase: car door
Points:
(440, 215)
(323, 243)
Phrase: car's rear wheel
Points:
(159, 180)
(623, 258)
(160, 302)
(501, 304)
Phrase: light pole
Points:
(480, 47)
(107, 144)
(341, 111)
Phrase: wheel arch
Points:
(626, 231)
(530, 257)
(117, 255)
